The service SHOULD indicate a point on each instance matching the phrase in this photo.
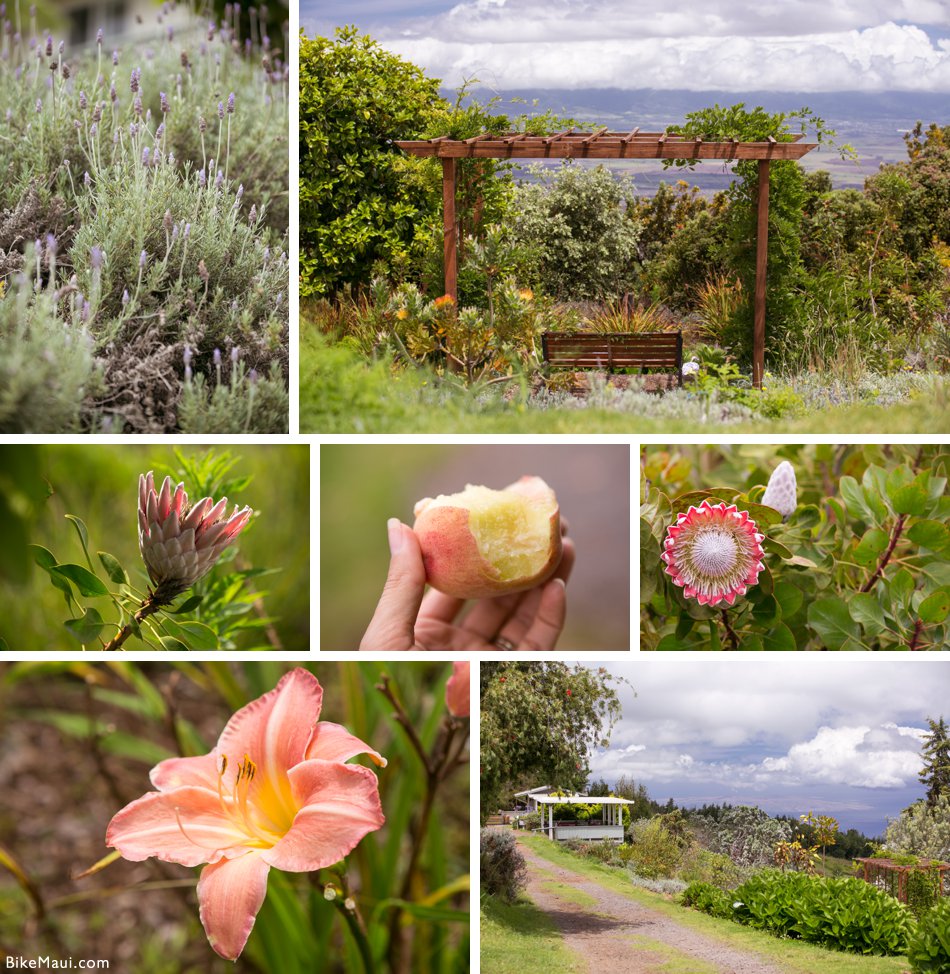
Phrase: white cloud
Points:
(885, 58)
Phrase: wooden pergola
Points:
(892, 876)
(604, 144)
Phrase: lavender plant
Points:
(141, 219)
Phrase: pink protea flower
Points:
(714, 553)
(275, 791)
(181, 543)
(457, 689)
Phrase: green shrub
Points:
(708, 898)
(929, 947)
(921, 830)
(655, 851)
(843, 914)
(575, 222)
(502, 867)
(703, 866)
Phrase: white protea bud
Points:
(781, 491)
(181, 543)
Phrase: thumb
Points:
(393, 623)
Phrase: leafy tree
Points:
(361, 199)
(575, 222)
(539, 722)
(935, 774)
(921, 830)
(746, 834)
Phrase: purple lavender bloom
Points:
(163, 101)
(99, 37)
(252, 216)
(77, 125)
(252, 377)
(137, 106)
(170, 31)
(145, 157)
(174, 233)
(160, 131)
(231, 103)
(125, 297)
(51, 244)
(49, 46)
(97, 112)
(240, 193)
(143, 259)
(279, 300)
(266, 254)
(219, 180)
(221, 110)
(202, 179)
(113, 94)
(9, 116)
(235, 355)
(188, 373)
(187, 231)
(187, 355)
(39, 105)
(62, 46)
(247, 46)
(95, 258)
(83, 101)
(115, 58)
(93, 130)
(217, 356)
(86, 178)
(134, 79)
(133, 129)
(84, 312)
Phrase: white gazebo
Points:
(610, 828)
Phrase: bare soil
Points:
(604, 936)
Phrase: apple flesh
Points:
(481, 543)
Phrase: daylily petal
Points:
(201, 772)
(333, 742)
(186, 825)
(340, 806)
(230, 893)
(274, 730)
(457, 689)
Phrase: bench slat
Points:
(612, 350)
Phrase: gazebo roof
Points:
(581, 800)
(602, 144)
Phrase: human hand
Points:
(407, 617)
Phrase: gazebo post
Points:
(761, 265)
(450, 229)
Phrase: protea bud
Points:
(180, 543)
(780, 493)
(714, 553)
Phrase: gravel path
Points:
(601, 934)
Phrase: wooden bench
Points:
(614, 350)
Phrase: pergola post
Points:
(761, 266)
(450, 229)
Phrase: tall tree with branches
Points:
(935, 774)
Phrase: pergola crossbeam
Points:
(604, 144)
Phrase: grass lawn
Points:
(342, 393)
(520, 939)
(796, 957)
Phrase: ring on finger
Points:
(502, 643)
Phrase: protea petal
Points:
(340, 804)
(230, 893)
(781, 492)
(714, 553)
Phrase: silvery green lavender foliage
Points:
(142, 214)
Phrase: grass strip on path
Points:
(518, 938)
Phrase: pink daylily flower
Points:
(275, 791)
(457, 689)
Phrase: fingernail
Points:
(560, 581)
(397, 539)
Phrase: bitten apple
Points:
(480, 542)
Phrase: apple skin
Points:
(455, 566)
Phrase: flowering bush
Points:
(135, 217)
(859, 562)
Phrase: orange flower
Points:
(526, 294)
(446, 301)
(402, 314)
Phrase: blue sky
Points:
(836, 735)
(729, 45)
